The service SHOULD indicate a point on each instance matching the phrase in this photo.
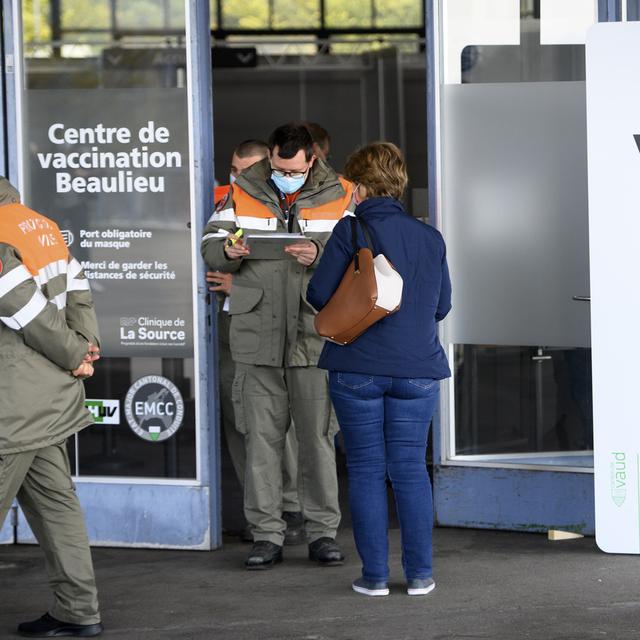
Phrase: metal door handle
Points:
(582, 298)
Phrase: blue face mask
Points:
(288, 184)
(232, 178)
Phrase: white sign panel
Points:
(566, 22)
(613, 123)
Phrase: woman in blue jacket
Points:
(384, 385)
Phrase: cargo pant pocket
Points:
(237, 398)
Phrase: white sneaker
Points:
(420, 587)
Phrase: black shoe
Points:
(263, 555)
(326, 552)
(294, 533)
(49, 627)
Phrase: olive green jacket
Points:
(271, 322)
(46, 323)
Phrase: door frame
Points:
(483, 494)
(148, 512)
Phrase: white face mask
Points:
(232, 178)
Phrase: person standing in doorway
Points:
(321, 140)
(245, 155)
(48, 343)
(273, 342)
(384, 385)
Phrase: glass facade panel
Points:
(522, 400)
(302, 14)
(36, 20)
(77, 15)
(150, 14)
(353, 14)
(514, 214)
(515, 197)
(106, 156)
(398, 13)
(245, 14)
(213, 13)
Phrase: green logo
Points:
(154, 408)
(104, 411)
(618, 478)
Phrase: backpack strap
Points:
(354, 243)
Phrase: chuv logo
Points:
(104, 411)
(154, 408)
(68, 237)
(618, 468)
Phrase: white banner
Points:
(613, 123)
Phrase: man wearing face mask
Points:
(273, 341)
(245, 155)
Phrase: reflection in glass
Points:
(342, 15)
(77, 15)
(245, 14)
(515, 219)
(398, 13)
(522, 400)
(302, 14)
(115, 84)
(150, 14)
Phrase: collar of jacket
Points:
(255, 181)
(8, 194)
(379, 205)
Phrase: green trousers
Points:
(235, 440)
(264, 399)
(41, 480)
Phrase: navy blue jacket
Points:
(405, 344)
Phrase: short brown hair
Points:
(250, 148)
(380, 168)
(319, 135)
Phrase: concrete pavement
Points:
(497, 585)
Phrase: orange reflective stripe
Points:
(333, 210)
(37, 238)
(248, 206)
(221, 192)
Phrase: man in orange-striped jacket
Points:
(273, 341)
(48, 342)
(244, 156)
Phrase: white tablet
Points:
(270, 246)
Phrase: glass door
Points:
(511, 176)
(113, 142)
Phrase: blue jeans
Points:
(385, 423)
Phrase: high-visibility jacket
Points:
(220, 193)
(46, 322)
(271, 322)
